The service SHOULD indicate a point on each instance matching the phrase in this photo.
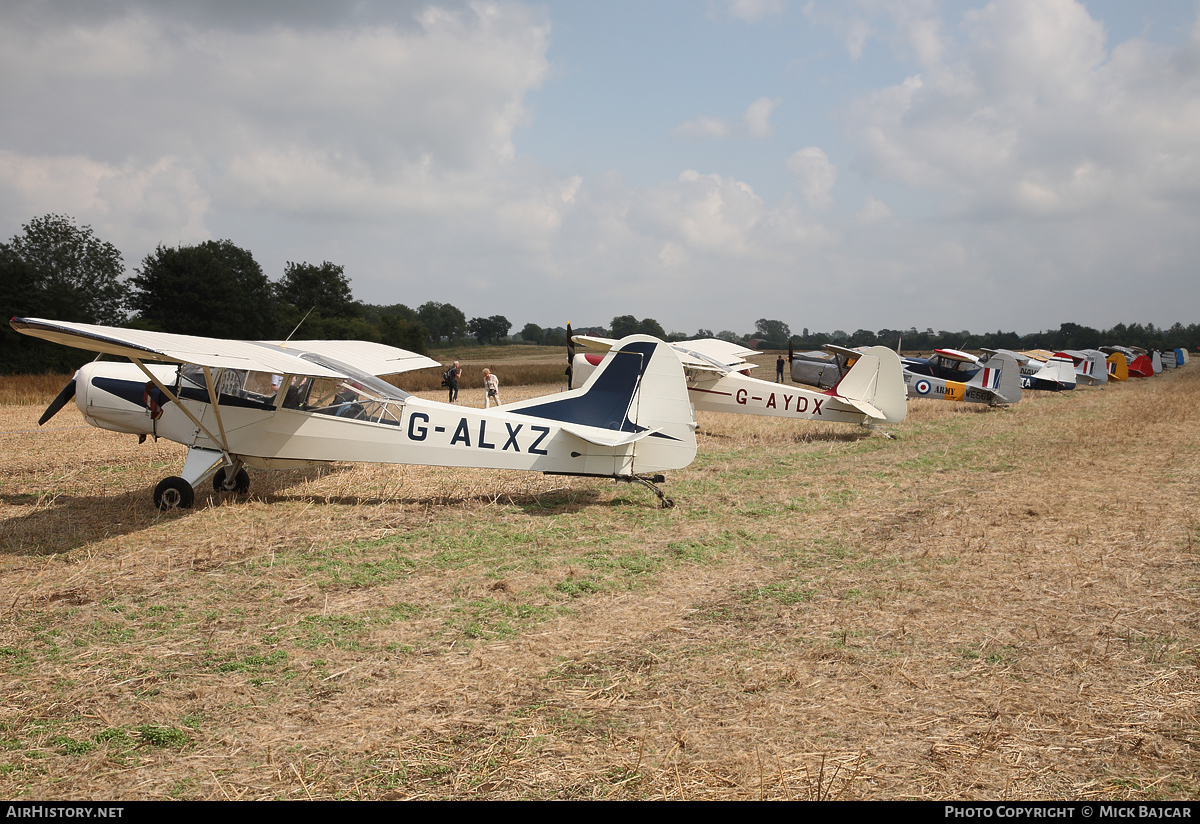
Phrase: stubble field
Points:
(998, 604)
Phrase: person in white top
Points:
(492, 386)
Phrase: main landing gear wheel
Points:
(239, 483)
(174, 493)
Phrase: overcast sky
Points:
(835, 165)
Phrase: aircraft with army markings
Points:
(995, 380)
(285, 404)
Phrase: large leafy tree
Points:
(324, 287)
(623, 325)
(533, 333)
(397, 325)
(398, 331)
(773, 331)
(57, 270)
(443, 320)
(214, 288)
(490, 329)
(649, 326)
(319, 300)
(75, 275)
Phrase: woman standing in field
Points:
(491, 385)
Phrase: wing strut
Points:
(216, 407)
(162, 388)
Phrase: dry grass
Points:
(998, 604)
(19, 390)
(510, 374)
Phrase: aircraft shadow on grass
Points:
(56, 526)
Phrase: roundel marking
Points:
(923, 387)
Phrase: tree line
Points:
(58, 270)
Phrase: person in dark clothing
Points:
(779, 369)
(451, 380)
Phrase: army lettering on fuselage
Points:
(477, 437)
(802, 404)
(952, 390)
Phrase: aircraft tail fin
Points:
(1141, 367)
(1001, 374)
(1093, 369)
(1060, 370)
(875, 385)
(636, 395)
(1118, 367)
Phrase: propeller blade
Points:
(791, 351)
(570, 357)
(67, 393)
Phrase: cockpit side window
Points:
(297, 393)
(235, 387)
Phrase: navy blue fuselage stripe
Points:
(134, 392)
(606, 404)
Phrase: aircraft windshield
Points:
(238, 385)
(379, 387)
(360, 395)
(341, 398)
(955, 365)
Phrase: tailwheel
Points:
(174, 493)
(237, 482)
(651, 483)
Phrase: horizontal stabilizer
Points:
(603, 437)
(866, 408)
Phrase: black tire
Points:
(240, 485)
(174, 493)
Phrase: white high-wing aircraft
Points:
(288, 404)
(872, 391)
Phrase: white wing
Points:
(593, 342)
(163, 347)
(705, 354)
(375, 358)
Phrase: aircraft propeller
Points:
(570, 357)
(791, 351)
(61, 400)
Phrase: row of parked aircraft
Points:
(287, 404)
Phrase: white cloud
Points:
(703, 127)
(132, 206)
(908, 26)
(354, 112)
(758, 117)
(756, 122)
(815, 176)
(751, 11)
(391, 145)
(1032, 115)
(672, 255)
(873, 211)
(704, 212)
